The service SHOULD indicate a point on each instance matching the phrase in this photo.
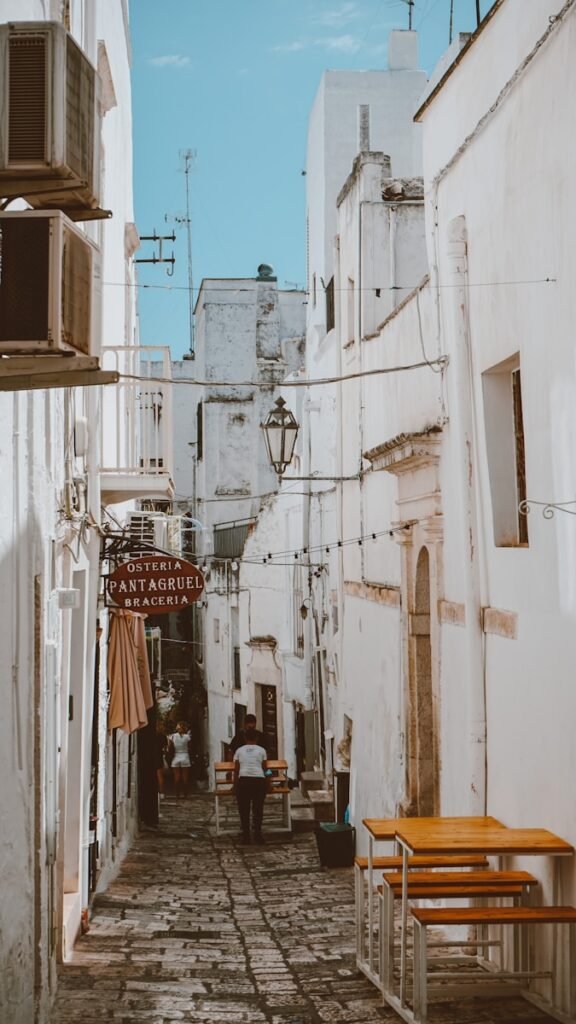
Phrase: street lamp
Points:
(280, 433)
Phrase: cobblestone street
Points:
(198, 929)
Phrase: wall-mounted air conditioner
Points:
(49, 118)
(157, 529)
(49, 285)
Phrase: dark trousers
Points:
(250, 794)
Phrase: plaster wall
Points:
(533, 320)
(500, 184)
(247, 332)
(45, 759)
(333, 143)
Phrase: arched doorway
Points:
(423, 781)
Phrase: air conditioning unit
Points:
(174, 534)
(49, 117)
(49, 285)
(156, 529)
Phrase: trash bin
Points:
(336, 841)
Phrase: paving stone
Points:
(199, 930)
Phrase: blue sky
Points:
(234, 80)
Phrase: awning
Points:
(128, 673)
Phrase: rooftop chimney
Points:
(402, 50)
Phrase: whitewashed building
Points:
(68, 803)
(456, 638)
(356, 117)
(251, 332)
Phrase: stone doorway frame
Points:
(415, 460)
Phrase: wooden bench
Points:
(440, 885)
(394, 863)
(522, 916)
(278, 786)
(223, 787)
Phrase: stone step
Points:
(322, 802)
(303, 819)
(311, 781)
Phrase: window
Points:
(199, 431)
(502, 391)
(314, 296)
(237, 674)
(298, 621)
(330, 319)
(350, 311)
(216, 625)
(520, 454)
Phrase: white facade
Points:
(55, 753)
(249, 331)
(449, 655)
(357, 116)
(457, 633)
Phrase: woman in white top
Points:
(179, 747)
(249, 763)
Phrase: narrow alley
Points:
(198, 929)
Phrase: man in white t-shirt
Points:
(249, 764)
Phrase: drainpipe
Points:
(310, 745)
(457, 252)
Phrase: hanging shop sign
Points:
(156, 584)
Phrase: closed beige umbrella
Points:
(127, 710)
(139, 634)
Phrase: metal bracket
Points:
(13, 365)
(160, 258)
(61, 379)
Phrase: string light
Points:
(271, 557)
(345, 288)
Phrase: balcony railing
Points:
(136, 443)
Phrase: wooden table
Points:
(387, 830)
(465, 836)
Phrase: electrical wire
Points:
(440, 361)
(344, 288)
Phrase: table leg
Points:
(572, 969)
(370, 902)
(420, 1000)
(360, 922)
(403, 925)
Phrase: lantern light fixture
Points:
(280, 432)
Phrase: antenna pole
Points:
(451, 21)
(189, 156)
(478, 18)
(410, 9)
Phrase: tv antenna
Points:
(188, 157)
(410, 4)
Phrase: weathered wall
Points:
(48, 653)
(247, 331)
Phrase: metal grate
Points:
(229, 541)
(24, 279)
(27, 100)
(142, 529)
(76, 292)
(79, 112)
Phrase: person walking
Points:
(239, 738)
(179, 747)
(250, 783)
